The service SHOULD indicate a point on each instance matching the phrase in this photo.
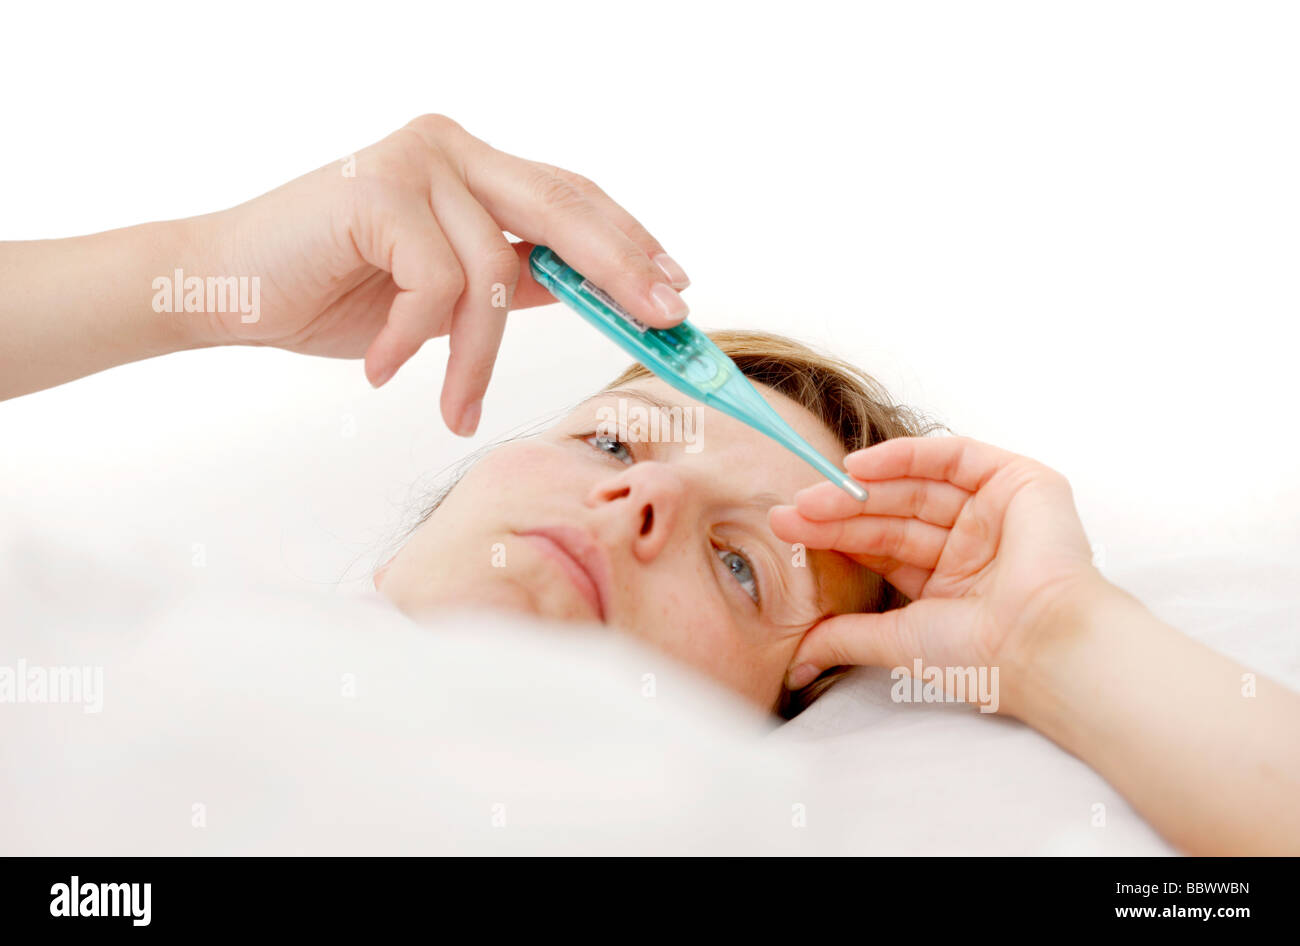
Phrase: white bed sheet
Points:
(944, 778)
(325, 722)
(214, 546)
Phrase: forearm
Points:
(1175, 728)
(76, 306)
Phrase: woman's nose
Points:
(645, 501)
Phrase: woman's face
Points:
(666, 539)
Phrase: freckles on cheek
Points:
(660, 608)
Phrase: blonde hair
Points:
(852, 404)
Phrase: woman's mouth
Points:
(580, 557)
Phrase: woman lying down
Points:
(733, 558)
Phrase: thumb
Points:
(931, 629)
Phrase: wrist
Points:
(1070, 652)
(183, 250)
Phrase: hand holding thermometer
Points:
(683, 357)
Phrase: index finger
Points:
(542, 204)
(528, 292)
(958, 460)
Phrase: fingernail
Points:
(801, 676)
(382, 378)
(676, 275)
(670, 303)
(469, 419)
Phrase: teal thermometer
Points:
(683, 357)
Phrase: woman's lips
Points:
(582, 559)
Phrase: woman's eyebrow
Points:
(765, 500)
(635, 395)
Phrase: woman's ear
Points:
(380, 572)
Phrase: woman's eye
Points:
(611, 445)
(741, 570)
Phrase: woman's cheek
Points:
(673, 611)
(526, 465)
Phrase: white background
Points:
(1067, 229)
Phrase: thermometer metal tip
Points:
(853, 488)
